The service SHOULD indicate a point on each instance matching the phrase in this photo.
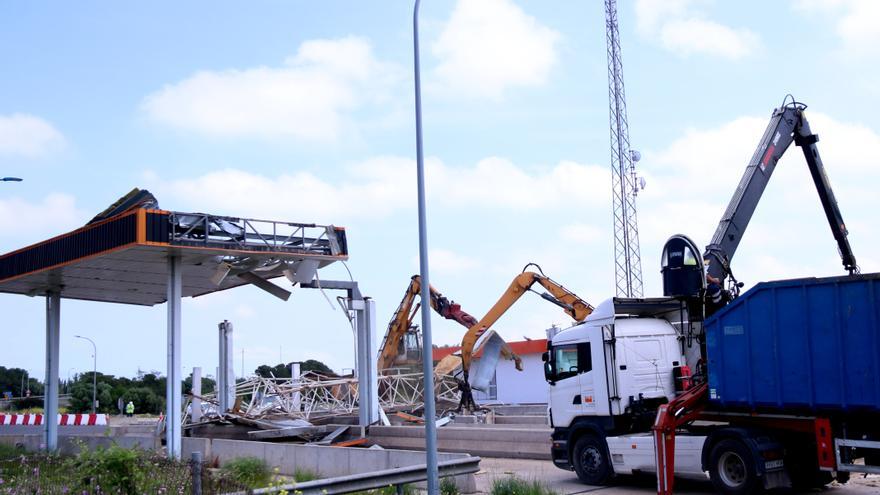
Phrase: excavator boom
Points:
(574, 306)
(403, 317)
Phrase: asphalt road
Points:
(566, 482)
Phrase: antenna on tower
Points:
(624, 181)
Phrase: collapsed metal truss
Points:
(203, 230)
(312, 397)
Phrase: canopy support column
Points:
(50, 392)
(173, 386)
(368, 389)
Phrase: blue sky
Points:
(302, 111)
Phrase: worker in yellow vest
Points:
(129, 409)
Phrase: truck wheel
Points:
(732, 469)
(591, 461)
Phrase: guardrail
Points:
(372, 480)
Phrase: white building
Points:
(510, 386)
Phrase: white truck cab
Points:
(605, 365)
(607, 376)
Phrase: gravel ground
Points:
(566, 482)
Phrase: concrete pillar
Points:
(196, 403)
(295, 373)
(50, 392)
(368, 385)
(226, 372)
(173, 388)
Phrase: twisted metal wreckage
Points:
(269, 403)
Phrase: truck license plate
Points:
(777, 464)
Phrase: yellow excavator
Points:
(402, 321)
(574, 306)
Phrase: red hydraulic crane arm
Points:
(683, 409)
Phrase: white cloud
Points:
(699, 36)
(27, 135)
(683, 28)
(580, 233)
(54, 214)
(855, 21)
(311, 97)
(446, 262)
(489, 46)
(382, 185)
(651, 14)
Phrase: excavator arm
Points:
(573, 305)
(403, 317)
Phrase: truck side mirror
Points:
(545, 356)
(548, 373)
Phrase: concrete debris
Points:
(302, 432)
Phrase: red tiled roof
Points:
(521, 348)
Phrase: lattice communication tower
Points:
(627, 258)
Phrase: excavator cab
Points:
(682, 269)
(411, 345)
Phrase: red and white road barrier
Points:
(63, 419)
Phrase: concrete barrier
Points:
(520, 409)
(321, 460)
(507, 421)
(482, 440)
(522, 420)
(71, 444)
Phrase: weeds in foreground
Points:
(303, 475)
(249, 471)
(10, 451)
(518, 486)
(448, 486)
(111, 470)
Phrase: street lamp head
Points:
(11, 179)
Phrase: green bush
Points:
(448, 487)
(114, 469)
(144, 399)
(249, 471)
(517, 486)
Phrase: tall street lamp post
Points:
(427, 345)
(94, 372)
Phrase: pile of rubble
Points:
(303, 407)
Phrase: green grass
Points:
(10, 451)
(303, 475)
(389, 490)
(518, 486)
(448, 487)
(249, 471)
